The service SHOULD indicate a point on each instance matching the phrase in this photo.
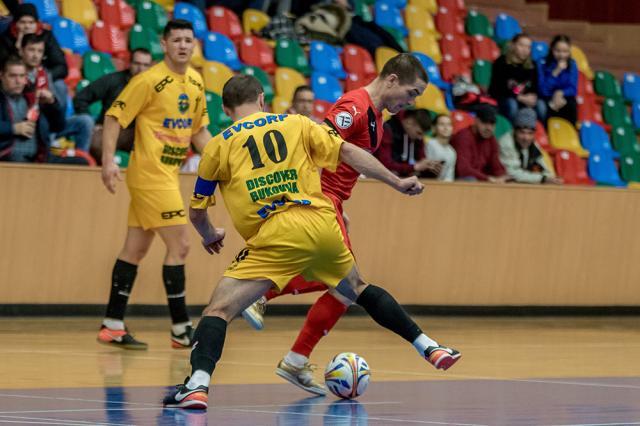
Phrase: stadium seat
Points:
(216, 113)
(81, 11)
(448, 22)
(503, 125)
(70, 35)
(484, 48)
(588, 110)
(539, 50)
(624, 140)
(220, 48)
(256, 52)
(477, 23)
(96, 64)
(602, 169)
(585, 86)
(96, 107)
(461, 120)
(117, 13)
(74, 65)
(224, 21)
(594, 138)
(143, 38)
(254, 20)
(571, 168)
(630, 167)
(452, 67)
(383, 54)
(357, 60)
(356, 81)
(286, 81)
(541, 138)
(167, 5)
(47, 9)
(109, 38)
(635, 114)
(388, 15)
(197, 59)
(432, 70)
(455, 6)
(263, 78)
(215, 75)
(615, 112)
(151, 15)
(631, 87)
(320, 109)
(581, 61)
(191, 13)
(606, 85)
(325, 58)
(418, 18)
(482, 73)
(423, 42)
(563, 136)
(326, 87)
(280, 105)
(430, 5)
(506, 27)
(398, 36)
(457, 47)
(433, 100)
(290, 54)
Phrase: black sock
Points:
(208, 342)
(122, 278)
(173, 277)
(384, 310)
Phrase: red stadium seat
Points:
(589, 110)
(484, 48)
(541, 137)
(118, 13)
(74, 64)
(449, 23)
(457, 47)
(357, 60)
(109, 38)
(356, 81)
(456, 6)
(254, 51)
(224, 21)
(450, 68)
(461, 120)
(572, 168)
(320, 109)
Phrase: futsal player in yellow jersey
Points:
(168, 105)
(267, 168)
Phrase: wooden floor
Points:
(577, 354)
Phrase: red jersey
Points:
(357, 121)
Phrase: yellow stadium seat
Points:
(280, 105)
(425, 42)
(419, 19)
(287, 79)
(167, 4)
(562, 135)
(547, 160)
(3, 9)
(197, 60)
(430, 5)
(383, 54)
(254, 20)
(82, 11)
(581, 61)
(433, 100)
(215, 76)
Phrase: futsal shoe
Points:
(302, 377)
(183, 397)
(184, 340)
(254, 314)
(120, 338)
(442, 357)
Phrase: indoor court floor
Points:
(514, 371)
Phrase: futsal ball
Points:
(347, 375)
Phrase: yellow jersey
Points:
(265, 163)
(168, 109)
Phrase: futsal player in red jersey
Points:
(357, 117)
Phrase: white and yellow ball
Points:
(347, 375)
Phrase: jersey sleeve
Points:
(210, 171)
(347, 117)
(323, 144)
(133, 98)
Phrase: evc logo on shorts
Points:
(183, 103)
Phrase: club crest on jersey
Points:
(183, 103)
(344, 120)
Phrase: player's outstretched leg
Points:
(113, 331)
(176, 239)
(230, 298)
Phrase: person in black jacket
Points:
(105, 90)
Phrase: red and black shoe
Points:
(120, 338)
(183, 397)
(442, 357)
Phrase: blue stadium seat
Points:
(432, 70)
(595, 139)
(539, 50)
(325, 86)
(219, 48)
(326, 58)
(603, 170)
(47, 9)
(635, 114)
(631, 87)
(506, 27)
(70, 35)
(387, 14)
(191, 13)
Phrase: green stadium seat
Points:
(630, 167)
(263, 78)
(615, 112)
(503, 126)
(290, 54)
(216, 114)
(477, 23)
(143, 38)
(482, 73)
(94, 108)
(398, 35)
(624, 140)
(151, 15)
(362, 9)
(96, 64)
(121, 158)
(605, 84)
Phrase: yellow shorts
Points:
(153, 208)
(298, 241)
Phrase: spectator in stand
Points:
(402, 149)
(105, 90)
(25, 118)
(477, 150)
(439, 148)
(514, 80)
(302, 102)
(521, 155)
(558, 80)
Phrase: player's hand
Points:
(213, 243)
(410, 186)
(110, 174)
(24, 128)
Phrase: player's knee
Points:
(133, 254)
(180, 251)
(217, 311)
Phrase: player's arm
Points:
(201, 138)
(110, 170)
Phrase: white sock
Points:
(422, 342)
(113, 324)
(180, 328)
(199, 378)
(296, 359)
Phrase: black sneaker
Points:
(183, 397)
(121, 338)
(184, 340)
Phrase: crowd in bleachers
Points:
(502, 106)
